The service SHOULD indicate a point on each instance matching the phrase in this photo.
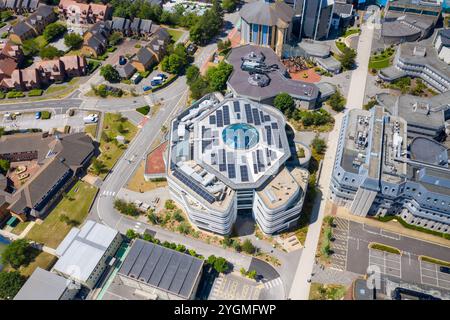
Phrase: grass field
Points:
(20, 227)
(112, 151)
(91, 129)
(176, 34)
(41, 42)
(379, 64)
(137, 182)
(340, 45)
(351, 31)
(75, 206)
(55, 88)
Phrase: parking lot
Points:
(58, 120)
(234, 287)
(353, 254)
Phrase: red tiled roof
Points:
(155, 160)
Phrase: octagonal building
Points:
(228, 158)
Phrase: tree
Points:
(199, 88)
(184, 228)
(347, 58)
(97, 166)
(115, 38)
(319, 145)
(169, 205)
(50, 52)
(243, 271)
(73, 40)
(223, 45)
(4, 166)
(217, 76)
(153, 218)
(17, 253)
(109, 73)
(6, 15)
(54, 30)
(248, 247)
(10, 284)
(252, 274)
(285, 103)
(131, 234)
(30, 47)
(229, 5)
(221, 265)
(211, 259)
(192, 73)
(337, 101)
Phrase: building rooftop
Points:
(166, 269)
(82, 249)
(43, 285)
(241, 81)
(267, 13)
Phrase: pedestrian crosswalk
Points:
(108, 193)
(273, 283)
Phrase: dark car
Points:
(122, 60)
(444, 269)
(162, 75)
(191, 49)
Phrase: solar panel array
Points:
(237, 106)
(244, 173)
(248, 113)
(231, 171)
(269, 135)
(163, 268)
(256, 117)
(212, 119)
(226, 115)
(188, 181)
(219, 118)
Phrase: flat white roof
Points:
(82, 249)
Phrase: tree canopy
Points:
(337, 101)
(4, 166)
(54, 30)
(17, 253)
(109, 73)
(285, 103)
(115, 38)
(10, 284)
(217, 76)
(207, 27)
(347, 58)
(176, 61)
(50, 52)
(73, 40)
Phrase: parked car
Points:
(122, 60)
(37, 115)
(191, 49)
(71, 112)
(7, 116)
(147, 88)
(155, 82)
(136, 78)
(444, 269)
(162, 75)
(92, 118)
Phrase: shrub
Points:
(143, 110)
(35, 93)
(178, 216)
(319, 145)
(10, 284)
(17, 253)
(45, 115)
(221, 265)
(184, 228)
(131, 234)
(169, 205)
(126, 208)
(15, 94)
(248, 247)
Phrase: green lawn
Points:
(340, 45)
(20, 227)
(383, 247)
(176, 34)
(40, 40)
(55, 88)
(91, 129)
(75, 206)
(112, 151)
(379, 64)
(349, 32)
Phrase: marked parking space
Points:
(340, 244)
(388, 263)
(431, 275)
(233, 287)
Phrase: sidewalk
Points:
(391, 226)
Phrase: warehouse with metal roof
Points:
(165, 273)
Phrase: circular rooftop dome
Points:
(240, 136)
(257, 79)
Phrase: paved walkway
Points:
(332, 276)
(389, 226)
(359, 75)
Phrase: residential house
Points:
(144, 59)
(10, 57)
(83, 13)
(60, 158)
(19, 6)
(96, 39)
(33, 25)
(141, 28)
(126, 70)
(121, 25)
(44, 73)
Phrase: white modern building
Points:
(227, 158)
(84, 253)
(442, 45)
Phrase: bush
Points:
(53, 30)
(15, 94)
(177, 216)
(35, 93)
(110, 74)
(45, 115)
(248, 247)
(169, 205)
(92, 66)
(143, 110)
(131, 234)
(319, 145)
(284, 102)
(221, 265)
(73, 40)
(184, 228)
(126, 208)
(337, 101)
(50, 52)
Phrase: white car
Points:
(92, 118)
